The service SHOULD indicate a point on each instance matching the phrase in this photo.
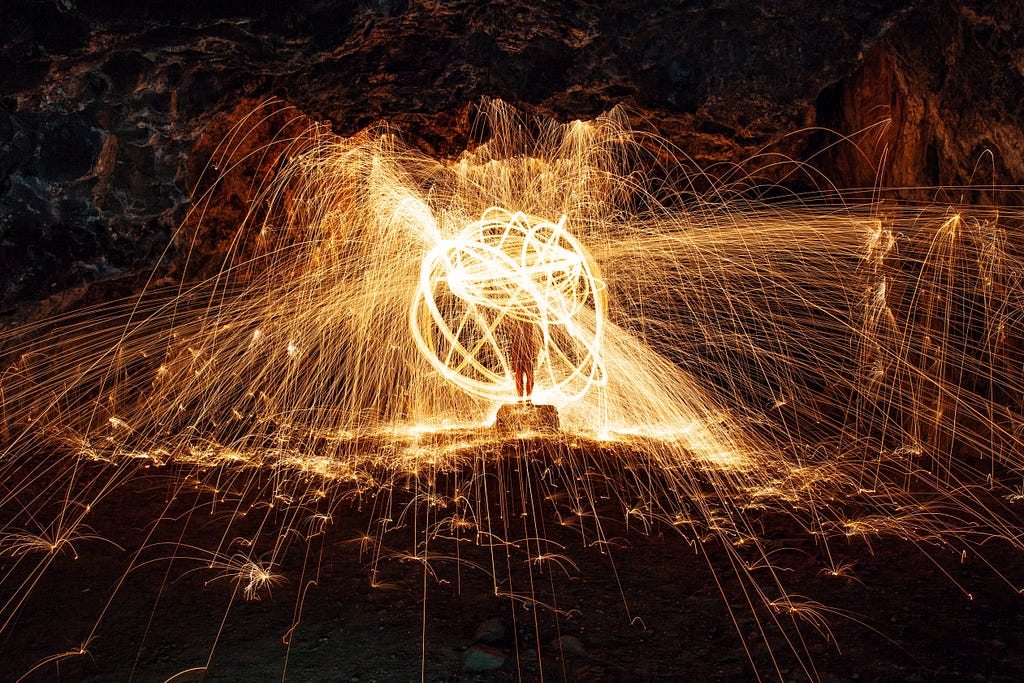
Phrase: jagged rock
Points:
(568, 645)
(221, 180)
(923, 117)
(490, 631)
(101, 108)
(514, 418)
(479, 658)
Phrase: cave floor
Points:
(645, 605)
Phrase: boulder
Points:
(516, 418)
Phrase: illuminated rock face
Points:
(517, 418)
(102, 105)
(926, 117)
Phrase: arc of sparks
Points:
(511, 267)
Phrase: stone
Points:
(479, 658)
(106, 113)
(915, 113)
(516, 418)
(491, 631)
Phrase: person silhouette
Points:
(523, 355)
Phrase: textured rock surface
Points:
(104, 106)
(514, 418)
(480, 658)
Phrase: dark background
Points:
(104, 105)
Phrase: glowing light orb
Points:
(502, 270)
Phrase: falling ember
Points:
(710, 357)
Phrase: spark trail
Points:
(710, 355)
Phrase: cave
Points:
(257, 267)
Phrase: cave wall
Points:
(108, 108)
(936, 103)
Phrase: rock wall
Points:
(935, 103)
(106, 107)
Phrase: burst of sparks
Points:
(710, 355)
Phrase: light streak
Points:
(711, 357)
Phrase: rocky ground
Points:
(648, 606)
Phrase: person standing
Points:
(523, 355)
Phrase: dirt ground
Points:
(646, 605)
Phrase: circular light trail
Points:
(502, 269)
